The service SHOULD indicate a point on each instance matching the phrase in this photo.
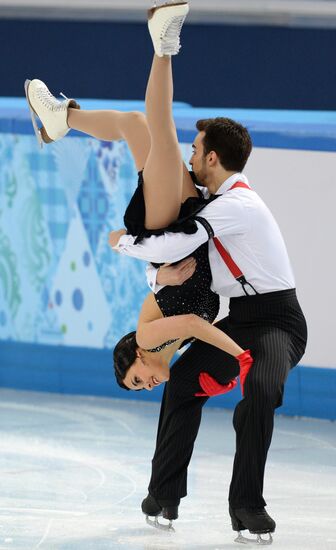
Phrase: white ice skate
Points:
(52, 113)
(165, 24)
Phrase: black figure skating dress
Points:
(194, 295)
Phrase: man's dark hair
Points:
(229, 139)
(124, 356)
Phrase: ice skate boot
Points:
(52, 113)
(165, 23)
(256, 520)
(168, 509)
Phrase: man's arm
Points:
(226, 215)
(167, 248)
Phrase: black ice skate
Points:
(256, 520)
(168, 509)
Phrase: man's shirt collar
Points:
(231, 181)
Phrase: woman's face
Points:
(147, 372)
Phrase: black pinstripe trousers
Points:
(273, 327)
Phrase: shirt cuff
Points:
(151, 274)
(125, 240)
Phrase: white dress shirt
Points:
(245, 227)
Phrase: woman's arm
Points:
(154, 333)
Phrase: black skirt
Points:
(134, 218)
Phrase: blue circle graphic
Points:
(78, 299)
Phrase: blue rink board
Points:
(309, 391)
(305, 130)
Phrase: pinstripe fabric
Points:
(273, 327)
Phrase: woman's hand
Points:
(115, 236)
(211, 387)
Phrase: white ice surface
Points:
(73, 472)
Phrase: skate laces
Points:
(170, 34)
(50, 101)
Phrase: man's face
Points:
(146, 373)
(197, 160)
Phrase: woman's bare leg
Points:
(115, 125)
(163, 171)
(131, 126)
(189, 189)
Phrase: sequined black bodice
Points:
(194, 295)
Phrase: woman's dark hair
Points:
(229, 139)
(124, 356)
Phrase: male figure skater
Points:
(264, 315)
(249, 264)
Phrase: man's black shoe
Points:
(256, 520)
(167, 508)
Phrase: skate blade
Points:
(259, 540)
(33, 117)
(157, 525)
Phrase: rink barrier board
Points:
(309, 391)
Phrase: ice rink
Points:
(75, 469)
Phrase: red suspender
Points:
(239, 184)
(231, 265)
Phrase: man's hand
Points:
(115, 236)
(174, 275)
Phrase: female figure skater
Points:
(174, 314)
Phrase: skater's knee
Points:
(134, 118)
(138, 116)
(264, 392)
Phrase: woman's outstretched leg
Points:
(165, 185)
(58, 117)
(115, 125)
(163, 172)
